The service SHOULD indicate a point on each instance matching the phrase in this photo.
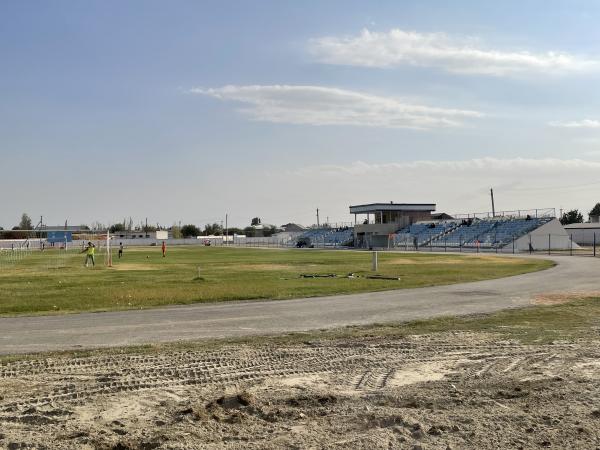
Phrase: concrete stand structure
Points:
(383, 219)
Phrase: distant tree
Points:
(250, 231)
(84, 227)
(255, 221)
(176, 232)
(25, 223)
(213, 230)
(117, 227)
(269, 231)
(573, 216)
(97, 226)
(190, 231)
(595, 211)
(148, 228)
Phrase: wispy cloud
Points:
(585, 123)
(484, 166)
(454, 54)
(317, 105)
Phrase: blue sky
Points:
(190, 110)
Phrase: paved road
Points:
(90, 330)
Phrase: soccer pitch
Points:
(144, 279)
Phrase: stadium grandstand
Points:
(414, 226)
(483, 233)
(326, 237)
(519, 230)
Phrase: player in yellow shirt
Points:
(89, 251)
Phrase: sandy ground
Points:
(448, 390)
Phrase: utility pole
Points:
(226, 230)
(317, 217)
(493, 206)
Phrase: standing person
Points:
(120, 249)
(90, 250)
(164, 249)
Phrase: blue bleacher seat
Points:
(487, 233)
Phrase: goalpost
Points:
(108, 257)
(102, 243)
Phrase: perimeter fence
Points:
(548, 244)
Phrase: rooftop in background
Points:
(293, 227)
(391, 206)
(63, 228)
(582, 226)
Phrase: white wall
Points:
(9, 243)
(584, 236)
(149, 241)
(550, 234)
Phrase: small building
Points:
(59, 237)
(585, 234)
(383, 219)
(141, 234)
(65, 228)
(293, 228)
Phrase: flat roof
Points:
(374, 207)
(582, 226)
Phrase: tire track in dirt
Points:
(365, 367)
(415, 388)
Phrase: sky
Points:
(191, 110)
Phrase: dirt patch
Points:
(131, 266)
(455, 389)
(503, 259)
(563, 297)
(453, 260)
(262, 267)
(419, 373)
(429, 261)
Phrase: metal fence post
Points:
(513, 244)
(549, 242)
(594, 243)
(571, 246)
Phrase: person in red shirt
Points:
(164, 249)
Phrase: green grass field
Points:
(143, 279)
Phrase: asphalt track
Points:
(244, 318)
